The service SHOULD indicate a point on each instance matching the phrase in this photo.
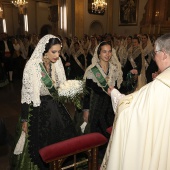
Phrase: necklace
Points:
(48, 68)
(106, 73)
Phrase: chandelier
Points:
(1, 12)
(21, 4)
(99, 6)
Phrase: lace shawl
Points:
(148, 50)
(115, 72)
(121, 54)
(31, 83)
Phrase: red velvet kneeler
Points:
(109, 130)
(55, 154)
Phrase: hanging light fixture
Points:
(21, 4)
(99, 6)
(1, 12)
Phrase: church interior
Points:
(75, 18)
(72, 18)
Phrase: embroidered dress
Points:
(99, 103)
(97, 100)
(48, 120)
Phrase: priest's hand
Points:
(109, 90)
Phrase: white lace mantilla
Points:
(32, 87)
(113, 75)
(115, 71)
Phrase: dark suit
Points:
(8, 61)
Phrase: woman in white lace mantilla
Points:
(97, 107)
(148, 57)
(44, 120)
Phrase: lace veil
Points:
(148, 49)
(115, 72)
(31, 83)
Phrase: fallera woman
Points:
(44, 120)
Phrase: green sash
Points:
(100, 78)
(47, 80)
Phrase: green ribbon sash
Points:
(46, 79)
(100, 78)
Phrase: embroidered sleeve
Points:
(116, 96)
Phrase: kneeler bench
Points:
(57, 153)
(109, 130)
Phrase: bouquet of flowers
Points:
(71, 91)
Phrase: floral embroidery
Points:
(43, 74)
(98, 74)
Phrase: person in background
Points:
(140, 134)
(65, 57)
(3, 75)
(6, 52)
(44, 120)
(77, 62)
(91, 49)
(32, 44)
(120, 52)
(128, 44)
(147, 54)
(17, 59)
(132, 68)
(85, 43)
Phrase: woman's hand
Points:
(86, 115)
(25, 127)
(67, 64)
(134, 71)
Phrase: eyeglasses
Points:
(155, 52)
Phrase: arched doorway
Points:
(96, 28)
(45, 29)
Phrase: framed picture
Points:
(128, 12)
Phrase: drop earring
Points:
(45, 57)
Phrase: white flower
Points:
(70, 88)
